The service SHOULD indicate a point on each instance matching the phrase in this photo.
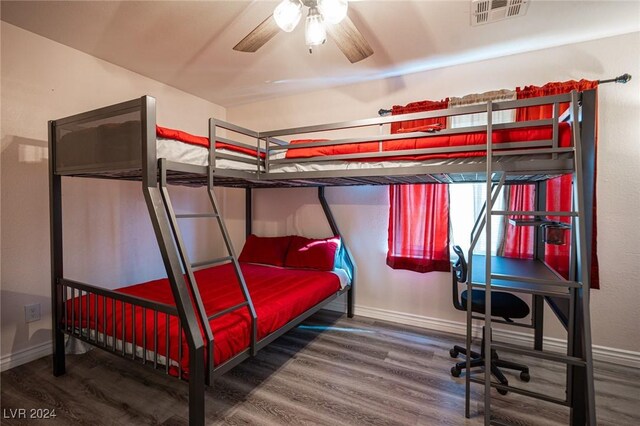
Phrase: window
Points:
(467, 199)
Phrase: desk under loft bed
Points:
(123, 141)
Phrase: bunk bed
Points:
(179, 324)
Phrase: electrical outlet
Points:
(32, 312)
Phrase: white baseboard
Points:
(24, 356)
(600, 353)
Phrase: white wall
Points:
(362, 212)
(108, 236)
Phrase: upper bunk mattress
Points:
(179, 146)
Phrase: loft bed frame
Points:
(134, 157)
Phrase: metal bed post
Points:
(336, 231)
(475, 236)
(168, 250)
(583, 266)
(487, 296)
(57, 299)
(248, 209)
(538, 253)
(588, 154)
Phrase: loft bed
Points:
(183, 313)
(113, 142)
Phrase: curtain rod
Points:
(623, 79)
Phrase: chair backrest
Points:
(459, 275)
(460, 266)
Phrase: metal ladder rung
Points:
(525, 392)
(212, 262)
(532, 151)
(196, 215)
(226, 311)
(532, 213)
(549, 356)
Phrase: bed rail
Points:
(524, 160)
(546, 151)
(216, 130)
(471, 109)
(126, 325)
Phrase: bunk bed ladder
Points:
(189, 267)
(577, 288)
(236, 265)
(186, 265)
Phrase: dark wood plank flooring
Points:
(330, 371)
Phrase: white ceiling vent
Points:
(486, 11)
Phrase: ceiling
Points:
(188, 44)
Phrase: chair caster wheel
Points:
(453, 353)
(503, 391)
(455, 371)
(524, 376)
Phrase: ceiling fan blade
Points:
(350, 41)
(259, 36)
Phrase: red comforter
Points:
(278, 295)
(436, 141)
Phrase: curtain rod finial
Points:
(624, 78)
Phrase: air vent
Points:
(486, 11)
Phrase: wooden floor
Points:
(329, 371)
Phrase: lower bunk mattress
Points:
(278, 294)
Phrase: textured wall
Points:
(362, 212)
(108, 236)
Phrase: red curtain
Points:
(419, 227)
(559, 194)
(559, 190)
(518, 240)
(419, 214)
(421, 106)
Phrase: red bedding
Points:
(437, 141)
(278, 295)
(179, 135)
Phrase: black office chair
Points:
(505, 305)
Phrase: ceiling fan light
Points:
(333, 11)
(287, 14)
(314, 32)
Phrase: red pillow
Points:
(266, 250)
(312, 254)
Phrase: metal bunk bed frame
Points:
(142, 164)
(155, 174)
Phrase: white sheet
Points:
(343, 276)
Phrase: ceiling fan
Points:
(324, 16)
